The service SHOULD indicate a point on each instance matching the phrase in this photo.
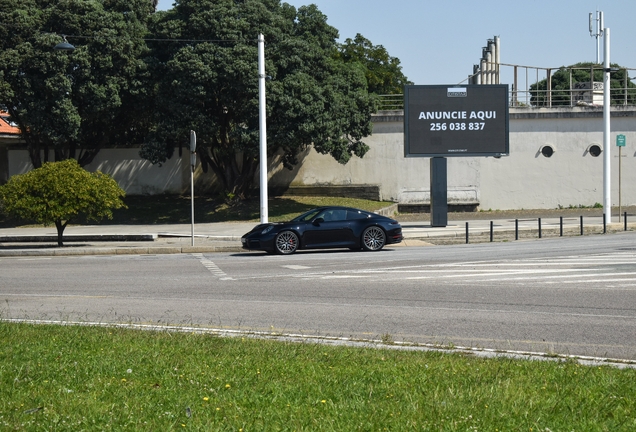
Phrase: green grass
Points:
(70, 378)
(175, 209)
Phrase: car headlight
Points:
(268, 229)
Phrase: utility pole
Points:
(607, 195)
(262, 128)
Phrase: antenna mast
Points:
(596, 30)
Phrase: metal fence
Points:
(567, 86)
(391, 102)
(553, 87)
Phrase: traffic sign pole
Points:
(620, 143)
(193, 161)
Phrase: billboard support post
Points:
(439, 192)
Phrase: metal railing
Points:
(391, 102)
(534, 87)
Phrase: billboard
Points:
(452, 120)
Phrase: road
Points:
(574, 295)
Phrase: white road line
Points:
(213, 268)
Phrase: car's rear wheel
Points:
(286, 242)
(373, 238)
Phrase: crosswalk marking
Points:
(213, 268)
(589, 271)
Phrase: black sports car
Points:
(325, 227)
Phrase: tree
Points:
(58, 193)
(208, 73)
(75, 103)
(383, 72)
(561, 85)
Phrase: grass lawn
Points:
(72, 378)
(176, 209)
(95, 378)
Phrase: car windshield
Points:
(307, 216)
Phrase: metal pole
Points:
(607, 196)
(516, 229)
(498, 60)
(466, 232)
(192, 204)
(491, 231)
(539, 227)
(581, 225)
(560, 226)
(620, 155)
(262, 127)
(193, 162)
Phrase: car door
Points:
(328, 229)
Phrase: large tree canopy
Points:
(383, 72)
(566, 78)
(208, 82)
(74, 103)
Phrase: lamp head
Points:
(64, 46)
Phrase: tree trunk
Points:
(237, 179)
(60, 232)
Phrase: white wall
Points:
(133, 174)
(525, 179)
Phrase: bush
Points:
(59, 192)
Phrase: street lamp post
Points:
(607, 195)
(262, 127)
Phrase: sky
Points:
(439, 41)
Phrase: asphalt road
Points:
(574, 295)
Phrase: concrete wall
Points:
(525, 179)
(135, 175)
(403, 180)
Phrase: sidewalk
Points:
(226, 236)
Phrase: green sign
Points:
(620, 140)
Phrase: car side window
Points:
(306, 217)
(333, 215)
(355, 215)
(339, 215)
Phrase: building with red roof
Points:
(9, 134)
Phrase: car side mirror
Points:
(318, 221)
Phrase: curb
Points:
(80, 238)
(156, 250)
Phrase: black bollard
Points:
(581, 225)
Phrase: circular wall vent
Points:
(547, 151)
(595, 150)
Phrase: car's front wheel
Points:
(373, 238)
(286, 242)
